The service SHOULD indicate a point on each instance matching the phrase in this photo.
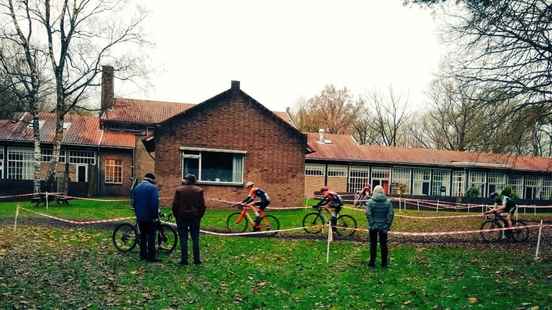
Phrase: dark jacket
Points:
(379, 212)
(145, 198)
(188, 202)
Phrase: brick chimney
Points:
(108, 91)
(235, 86)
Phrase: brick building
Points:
(345, 166)
(226, 141)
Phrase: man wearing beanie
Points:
(146, 205)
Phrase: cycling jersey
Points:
(510, 206)
(331, 198)
(257, 192)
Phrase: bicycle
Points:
(127, 235)
(39, 200)
(313, 222)
(493, 220)
(239, 221)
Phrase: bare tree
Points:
(20, 62)
(383, 119)
(77, 37)
(333, 109)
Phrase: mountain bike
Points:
(239, 221)
(314, 222)
(518, 232)
(127, 235)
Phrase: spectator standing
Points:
(145, 197)
(188, 209)
(379, 213)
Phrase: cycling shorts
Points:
(261, 204)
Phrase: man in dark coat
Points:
(145, 198)
(188, 209)
(380, 217)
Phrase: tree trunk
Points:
(37, 154)
(58, 137)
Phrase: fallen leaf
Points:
(473, 300)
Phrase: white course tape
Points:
(250, 233)
(78, 222)
(426, 217)
(232, 203)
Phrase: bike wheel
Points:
(235, 223)
(167, 238)
(346, 225)
(124, 237)
(491, 236)
(521, 233)
(268, 223)
(313, 223)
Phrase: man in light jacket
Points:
(379, 213)
(188, 209)
(145, 197)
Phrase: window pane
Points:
(216, 167)
(191, 165)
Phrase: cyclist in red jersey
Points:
(333, 200)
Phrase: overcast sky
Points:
(284, 50)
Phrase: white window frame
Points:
(315, 170)
(419, 177)
(547, 188)
(400, 175)
(497, 179)
(81, 157)
(440, 177)
(478, 180)
(534, 182)
(85, 172)
(110, 179)
(515, 182)
(335, 171)
(1, 162)
(27, 169)
(359, 176)
(200, 180)
(458, 183)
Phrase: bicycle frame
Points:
(245, 214)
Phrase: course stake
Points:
(538, 242)
(330, 239)
(16, 215)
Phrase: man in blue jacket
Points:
(146, 205)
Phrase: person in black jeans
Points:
(145, 197)
(188, 209)
(380, 217)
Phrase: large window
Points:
(421, 181)
(400, 181)
(358, 178)
(381, 176)
(82, 157)
(478, 181)
(1, 163)
(20, 164)
(547, 188)
(216, 166)
(113, 171)
(495, 182)
(440, 185)
(532, 187)
(458, 178)
(47, 155)
(312, 170)
(516, 184)
(337, 171)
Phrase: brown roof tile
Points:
(82, 130)
(149, 112)
(344, 148)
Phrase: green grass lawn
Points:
(50, 267)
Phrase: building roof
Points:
(343, 148)
(150, 112)
(81, 130)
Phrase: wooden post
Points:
(538, 241)
(46, 200)
(330, 239)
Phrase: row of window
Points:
(18, 164)
(214, 166)
(435, 182)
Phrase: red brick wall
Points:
(116, 189)
(274, 159)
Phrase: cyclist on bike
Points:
(363, 196)
(506, 208)
(263, 202)
(333, 200)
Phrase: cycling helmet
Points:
(249, 184)
(324, 189)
